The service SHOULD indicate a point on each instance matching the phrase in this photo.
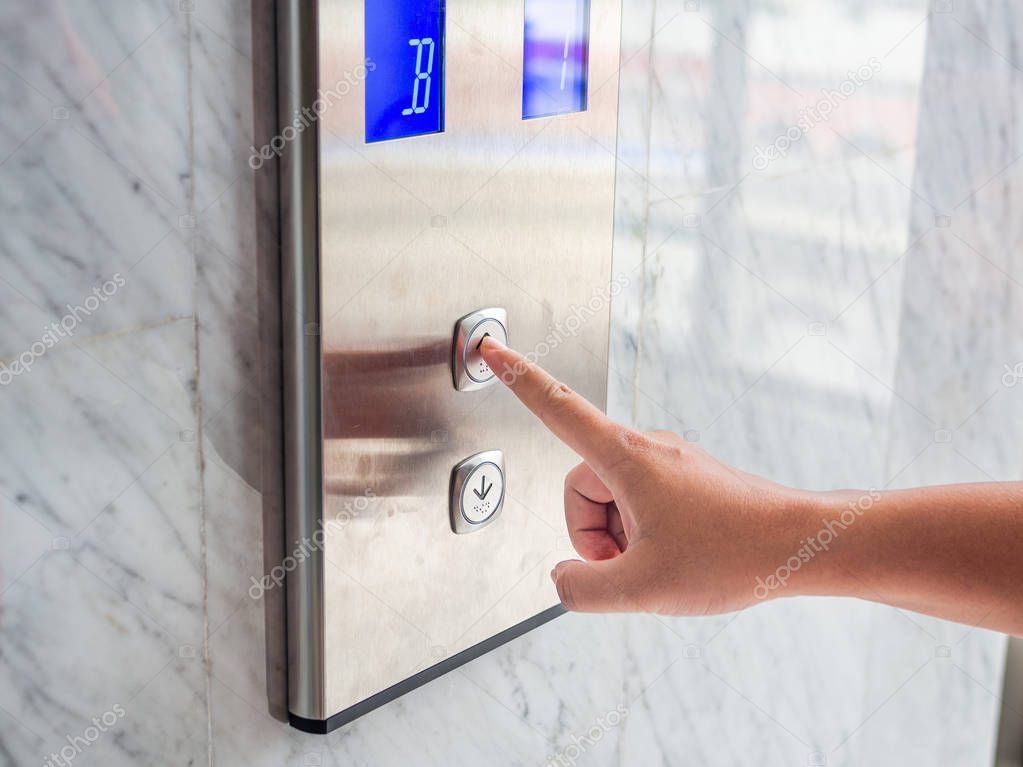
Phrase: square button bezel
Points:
(459, 476)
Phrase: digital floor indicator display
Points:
(405, 44)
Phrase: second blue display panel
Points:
(555, 57)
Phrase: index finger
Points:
(572, 418)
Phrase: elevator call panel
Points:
(451, 178)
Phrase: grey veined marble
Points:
(818, 220)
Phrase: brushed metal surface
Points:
(413, 235)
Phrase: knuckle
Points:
(664, 435)
(672, 452)
(628, 445)
(667, 437)
(556, 395)
(634, 443)
(668, 445)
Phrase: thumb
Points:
(600, 586)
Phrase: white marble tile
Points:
(780, 286)
(233, 362)
(717, 690)
(234, 535)
(26, 539)
(121, 653)
(222, 80)
(103, 602)
(230, 21)
(91, 419)
(928, 693)
(226, 245)
(844, 234)
(26, 110)
(449, 721)
(962, 306)
(101, 188)
(549, 680)
(67, 50)
(78, 223)
(732, 78)
(631, 205)
(963, 302)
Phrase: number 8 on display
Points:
(421, 75)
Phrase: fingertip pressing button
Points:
(470, 371)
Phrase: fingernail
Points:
(554, 574)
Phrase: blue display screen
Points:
(554, 66)
(405, 84)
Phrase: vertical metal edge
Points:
(1009, 744)
(300, 306)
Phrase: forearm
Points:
(954, 551)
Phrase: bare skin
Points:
(664, 527)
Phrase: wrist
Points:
(839, 526)
(814, 543)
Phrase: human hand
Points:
(661, 525)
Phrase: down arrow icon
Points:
(484, 490)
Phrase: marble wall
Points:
(828, 295)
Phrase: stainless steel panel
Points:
(413, 235)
